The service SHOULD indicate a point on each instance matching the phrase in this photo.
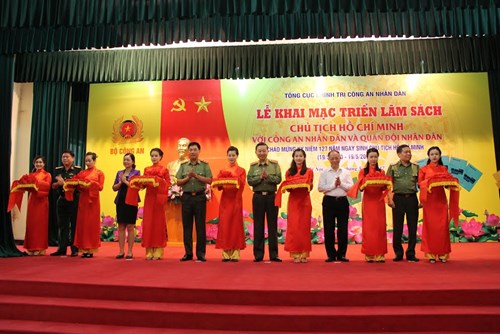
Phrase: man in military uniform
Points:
(404, 175)
(264, 176)
(65, 210)
(193, 176)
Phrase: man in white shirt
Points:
(334, 183)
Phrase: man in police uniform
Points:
(66, 210)
(264, 176)
(404, 177)
(193, 176)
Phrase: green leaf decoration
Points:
(469, 214)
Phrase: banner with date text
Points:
(349, 114)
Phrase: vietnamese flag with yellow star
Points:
(193, 109)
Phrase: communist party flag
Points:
(193, 109)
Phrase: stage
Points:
(72, 295)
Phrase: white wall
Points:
(22, 108)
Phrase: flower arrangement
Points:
(473, 230)
(109, 227)
(174, 193)
(208, 192)
(468, 229)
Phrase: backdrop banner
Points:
(318, 114)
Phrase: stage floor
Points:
(471, 266)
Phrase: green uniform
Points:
(263, 185)
(263, 207)
(405, 180)
(194, 185)
(66, 210)
(194, 205)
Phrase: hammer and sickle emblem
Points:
(179, 105)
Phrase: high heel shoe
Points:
(120, 256)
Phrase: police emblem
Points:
(127, 131)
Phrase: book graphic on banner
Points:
(471, 176)
(446, 161)
(457, 168)
(422, 162)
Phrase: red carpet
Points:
(75, 295)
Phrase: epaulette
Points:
(203, 161)
(78, 167)
(185, 162)
(254, 163)
(273, 161)
(414, 163)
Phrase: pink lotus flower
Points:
(353, 212)
(355, 230)
(212, 231)
(314, 222)
(246, 214)
(138, 231)
(491, 219)
(321, 236)
(250, 230)
(390, 236)
(140, 212)
(107, 221)
(472, 228)
(282, 223)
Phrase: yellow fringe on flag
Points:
(226, 182)
(295, 186)
(453, 184)
(373, 182)
(23, 187)
(143, 180)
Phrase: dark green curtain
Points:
(58, 123)
(49, 133)
(54, 25)
(7, 246)
(494, 84)
(264, 61)
(78, 121)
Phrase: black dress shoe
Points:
(257, 260)
(58, 253)
(226, 260)
(235, 260)
(330, 259)
(201, 259)
(186, 258)
(412, 259)
(342, 259)
(398, 259)
(276, 259)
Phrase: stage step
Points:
(377, 298)
(250, 317)
(46, 327)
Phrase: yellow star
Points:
(202, 105)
